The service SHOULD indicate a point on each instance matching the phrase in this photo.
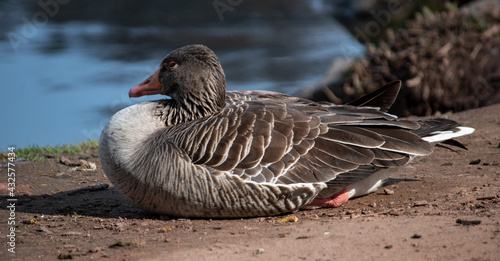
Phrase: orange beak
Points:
(150, 86)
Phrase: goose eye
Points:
(172, 65)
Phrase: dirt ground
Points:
(442, 207)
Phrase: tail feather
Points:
(442, 130)
(382, 98)
(444, 135)
(429, 126)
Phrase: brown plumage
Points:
(208, 153)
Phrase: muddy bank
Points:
(442, 207)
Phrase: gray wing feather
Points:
(270, 137)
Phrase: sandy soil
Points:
(414, 217)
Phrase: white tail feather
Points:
(438, 136)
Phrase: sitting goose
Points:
(210, 153)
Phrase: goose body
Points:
(210, 153)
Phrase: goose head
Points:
(192, 76)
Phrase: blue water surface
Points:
(62, 82)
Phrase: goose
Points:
(208, 153)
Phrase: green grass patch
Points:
(37, 153)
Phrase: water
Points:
(64, 79)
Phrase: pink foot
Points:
(335, 201)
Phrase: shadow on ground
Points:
(104, 203)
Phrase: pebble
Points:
(65, 161)
(475, 162)
(82, 165)
(416, 236)
(95, 250)
(65, 256)
(71, 233)
(120, 244)
(259, 251)
(388, 191)
(165, 229)
(87, 166)
(486, 198)
(468, 222)
(420, 203)
(44, 229)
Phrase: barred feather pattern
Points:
(265, 153)
(279, 139)
(211, 153)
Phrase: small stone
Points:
(259, 251)
(388, 247)
(71, 233)
(87, 165)
(65, 256)
(420, 203)
(394, 213)
(388, 191)
(486, 198)
(475, 162)
(119, 244)
(165, 229)
(416, 236)
(468, 222)
(65, 161)
(44, 229)
(95, 250)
